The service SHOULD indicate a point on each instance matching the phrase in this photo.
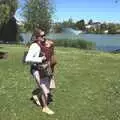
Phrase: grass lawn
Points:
(88, 86)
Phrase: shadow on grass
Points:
(1, 47)
(3, 55)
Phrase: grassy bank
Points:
(88, 86)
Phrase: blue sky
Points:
(98, 10)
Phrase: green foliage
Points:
(7, 10)
(90, 30)
(90, 22)
(78, 43)
(4, 13)
(21, 29)
(38, 13)
(80, 25)
(68, 23)
(57, 27)
(103, 27)
(13, 4)
(112, 28)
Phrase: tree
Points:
(7, 10)
(90, 22)
(91, 30)
(57, 27)
(8, 26)
(103, 27)
(68, 23)
(38, 13)
(4, 13)
(111, 28)
(80, 25)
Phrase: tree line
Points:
(89, 27)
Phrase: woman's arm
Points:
(33, 54)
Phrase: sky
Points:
(97, 10)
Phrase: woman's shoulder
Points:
(34, 45)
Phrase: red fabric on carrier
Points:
(48, 51)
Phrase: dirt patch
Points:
(3, 55)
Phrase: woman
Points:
(36, 60)
(47, 47)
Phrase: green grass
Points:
(88, 86)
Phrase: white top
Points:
(33, 54)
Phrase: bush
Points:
(78, 43)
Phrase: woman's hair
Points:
(38, 32)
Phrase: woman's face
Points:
(42, 33)
(39, 33)
(40, 39)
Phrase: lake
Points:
(104, 42)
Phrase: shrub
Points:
(78, 43)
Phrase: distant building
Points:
(88, 26)
(106, 31)
(118, 31)
(93, 25)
